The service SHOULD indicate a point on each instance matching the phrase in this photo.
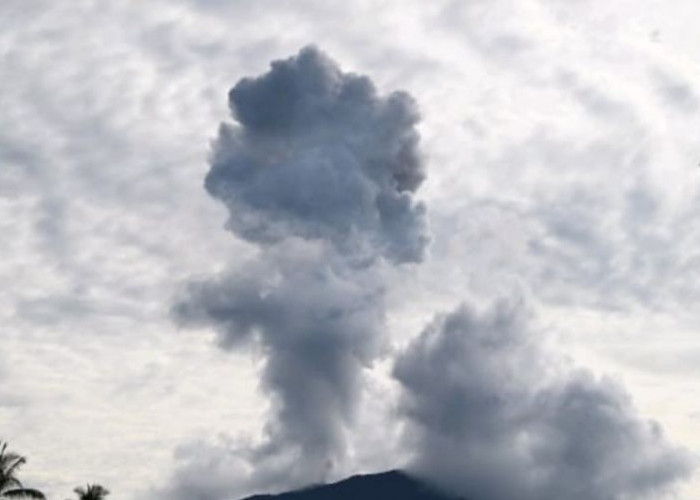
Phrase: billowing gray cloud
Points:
(318, 154)
(318, 325)
(319, 172)
(494, 417)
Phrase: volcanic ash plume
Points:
(319, 172)
(319, 155)
(493, 417)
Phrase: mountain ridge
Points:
(394, 484)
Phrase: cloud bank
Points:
(494, 417)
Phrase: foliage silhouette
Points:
(91, 492)
(10, 486)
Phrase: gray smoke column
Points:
(318, 154)
(494, 417)
(319, 172)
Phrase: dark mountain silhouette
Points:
(392, 485)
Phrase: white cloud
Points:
(562, 149)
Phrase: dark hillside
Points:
(392, 485)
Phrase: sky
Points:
(473, 246)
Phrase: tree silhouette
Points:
(10, 486)
(91, 492)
